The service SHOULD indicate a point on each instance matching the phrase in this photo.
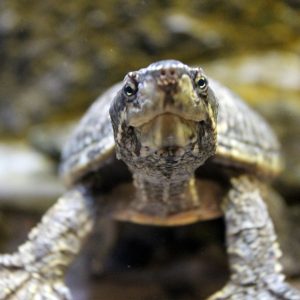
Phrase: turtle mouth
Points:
(167, 131)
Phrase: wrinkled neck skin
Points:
(160, 188)
(164, 123)
(165, 176)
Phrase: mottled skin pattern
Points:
(170, 125)
(36, 270)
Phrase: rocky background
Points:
(57, 56)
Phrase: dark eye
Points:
(202, 83)
(130, 89)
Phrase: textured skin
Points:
(36, 270)
(244, 138)
(253, 251)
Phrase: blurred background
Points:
(57, 56)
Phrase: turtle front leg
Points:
(36, 270)
(252, 247)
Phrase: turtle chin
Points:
(167, 145)
(167, 135)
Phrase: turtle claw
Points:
(253, 292)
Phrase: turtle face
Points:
(165, 112)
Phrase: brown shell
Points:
(92, 143)
(244, 138)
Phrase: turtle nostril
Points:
(163, 72)
(172, 72)
(167, 77)
(168, 73)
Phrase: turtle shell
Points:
(244, 139)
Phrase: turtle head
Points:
(165, 114)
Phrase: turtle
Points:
(168, 146)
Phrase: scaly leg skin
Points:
(253, 251)
(36, 270)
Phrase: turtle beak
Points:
(167, 130)
(167, 91)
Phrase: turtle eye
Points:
(202, 82)
(130, 89)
